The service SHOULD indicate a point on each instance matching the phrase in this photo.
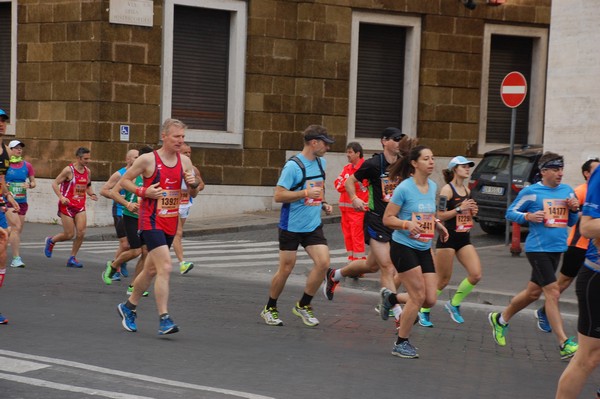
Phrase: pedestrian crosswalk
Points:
(208, 253)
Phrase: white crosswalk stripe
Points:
(206, 253)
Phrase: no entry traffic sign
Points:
(513, 89)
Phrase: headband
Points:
(555, 163)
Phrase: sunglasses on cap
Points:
(397, 138)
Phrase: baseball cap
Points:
(459, 160)
(392, 133)
(3, 114)
(15, 143)
(321, 136)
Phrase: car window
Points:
(498, 165)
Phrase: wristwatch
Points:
(458, 210)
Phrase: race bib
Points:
(18, 190)
(314, 201)
(556, 213)
(168, 204)
(427, 223)
(79, 191)
(464, 222)
(387, 188)
(185, 197)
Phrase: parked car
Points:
(489, 180)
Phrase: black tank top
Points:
(453, 202)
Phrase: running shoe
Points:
(306, 314)
(166, 326)
(542, 320)
(384, 304)
(454, 312)
(330, 284)
(424, 319)
(568, 349)
(128, 317)
(3, 320)
(271, 316)
(72, 262)
(17, 262)
(130, 291)
(116, 277)
(124, 271)
(106, 273)
(405, 350)
(185, 267)
(378, 310)
(498, 330)
(49, 247)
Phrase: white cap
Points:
(15, 143)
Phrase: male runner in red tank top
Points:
(71, 187)
(163, 171)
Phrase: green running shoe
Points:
(499, 330)
(568, 349)
(106, 274)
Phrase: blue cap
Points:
(3, 114)
(459, 160)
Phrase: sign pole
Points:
(513, 125)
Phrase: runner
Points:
(117, 210)
(411, 214)
(71, 187)
(456, 209)
(130, 205)
(575, 255)
(587, 288)
(163, 171)
(549, 206)
(19, 178)
(184, 211)
(301, 190)
(377, 236)
(352, 220)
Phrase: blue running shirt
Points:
(592, 208)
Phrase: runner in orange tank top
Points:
(578, 245)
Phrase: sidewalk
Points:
(503, 274)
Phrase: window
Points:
(203, 68)
(384, 70)
(8, 60)
(505, 49)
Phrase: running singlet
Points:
(575, 238)
(131, 197)
(16, 176)
(417, 207)
(117, 209)
(75, 189)
(463, 222)
(374, 170)
(162, 214)
(592, 208)
(551, 235)
(4, 164)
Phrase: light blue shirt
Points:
(592, 208)
(295, 216)
(541, 238)
(408, 197)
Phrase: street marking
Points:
(125, 374)
(19, 366)
(70, 388)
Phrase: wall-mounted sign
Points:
(131, 12)
(124, 130)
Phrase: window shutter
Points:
(5, 55)
(200, 67)
(508, 53)
(380, 79)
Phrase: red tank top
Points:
(162, 214)
(75, 189)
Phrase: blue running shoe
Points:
(72, 262)
(454, 312)
(128, 317)
(542, 321)
(167, 326)
(49, 247)
(405, 350)
(124, 271)
(3, 320)
(424, 319)
(116, 277)
(384, 305)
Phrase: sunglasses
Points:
(396, 139)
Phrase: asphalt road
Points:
(65, 340)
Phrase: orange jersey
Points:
(575, 238)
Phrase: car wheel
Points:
(492, 228)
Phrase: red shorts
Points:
(69, 210)
(23, 207)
